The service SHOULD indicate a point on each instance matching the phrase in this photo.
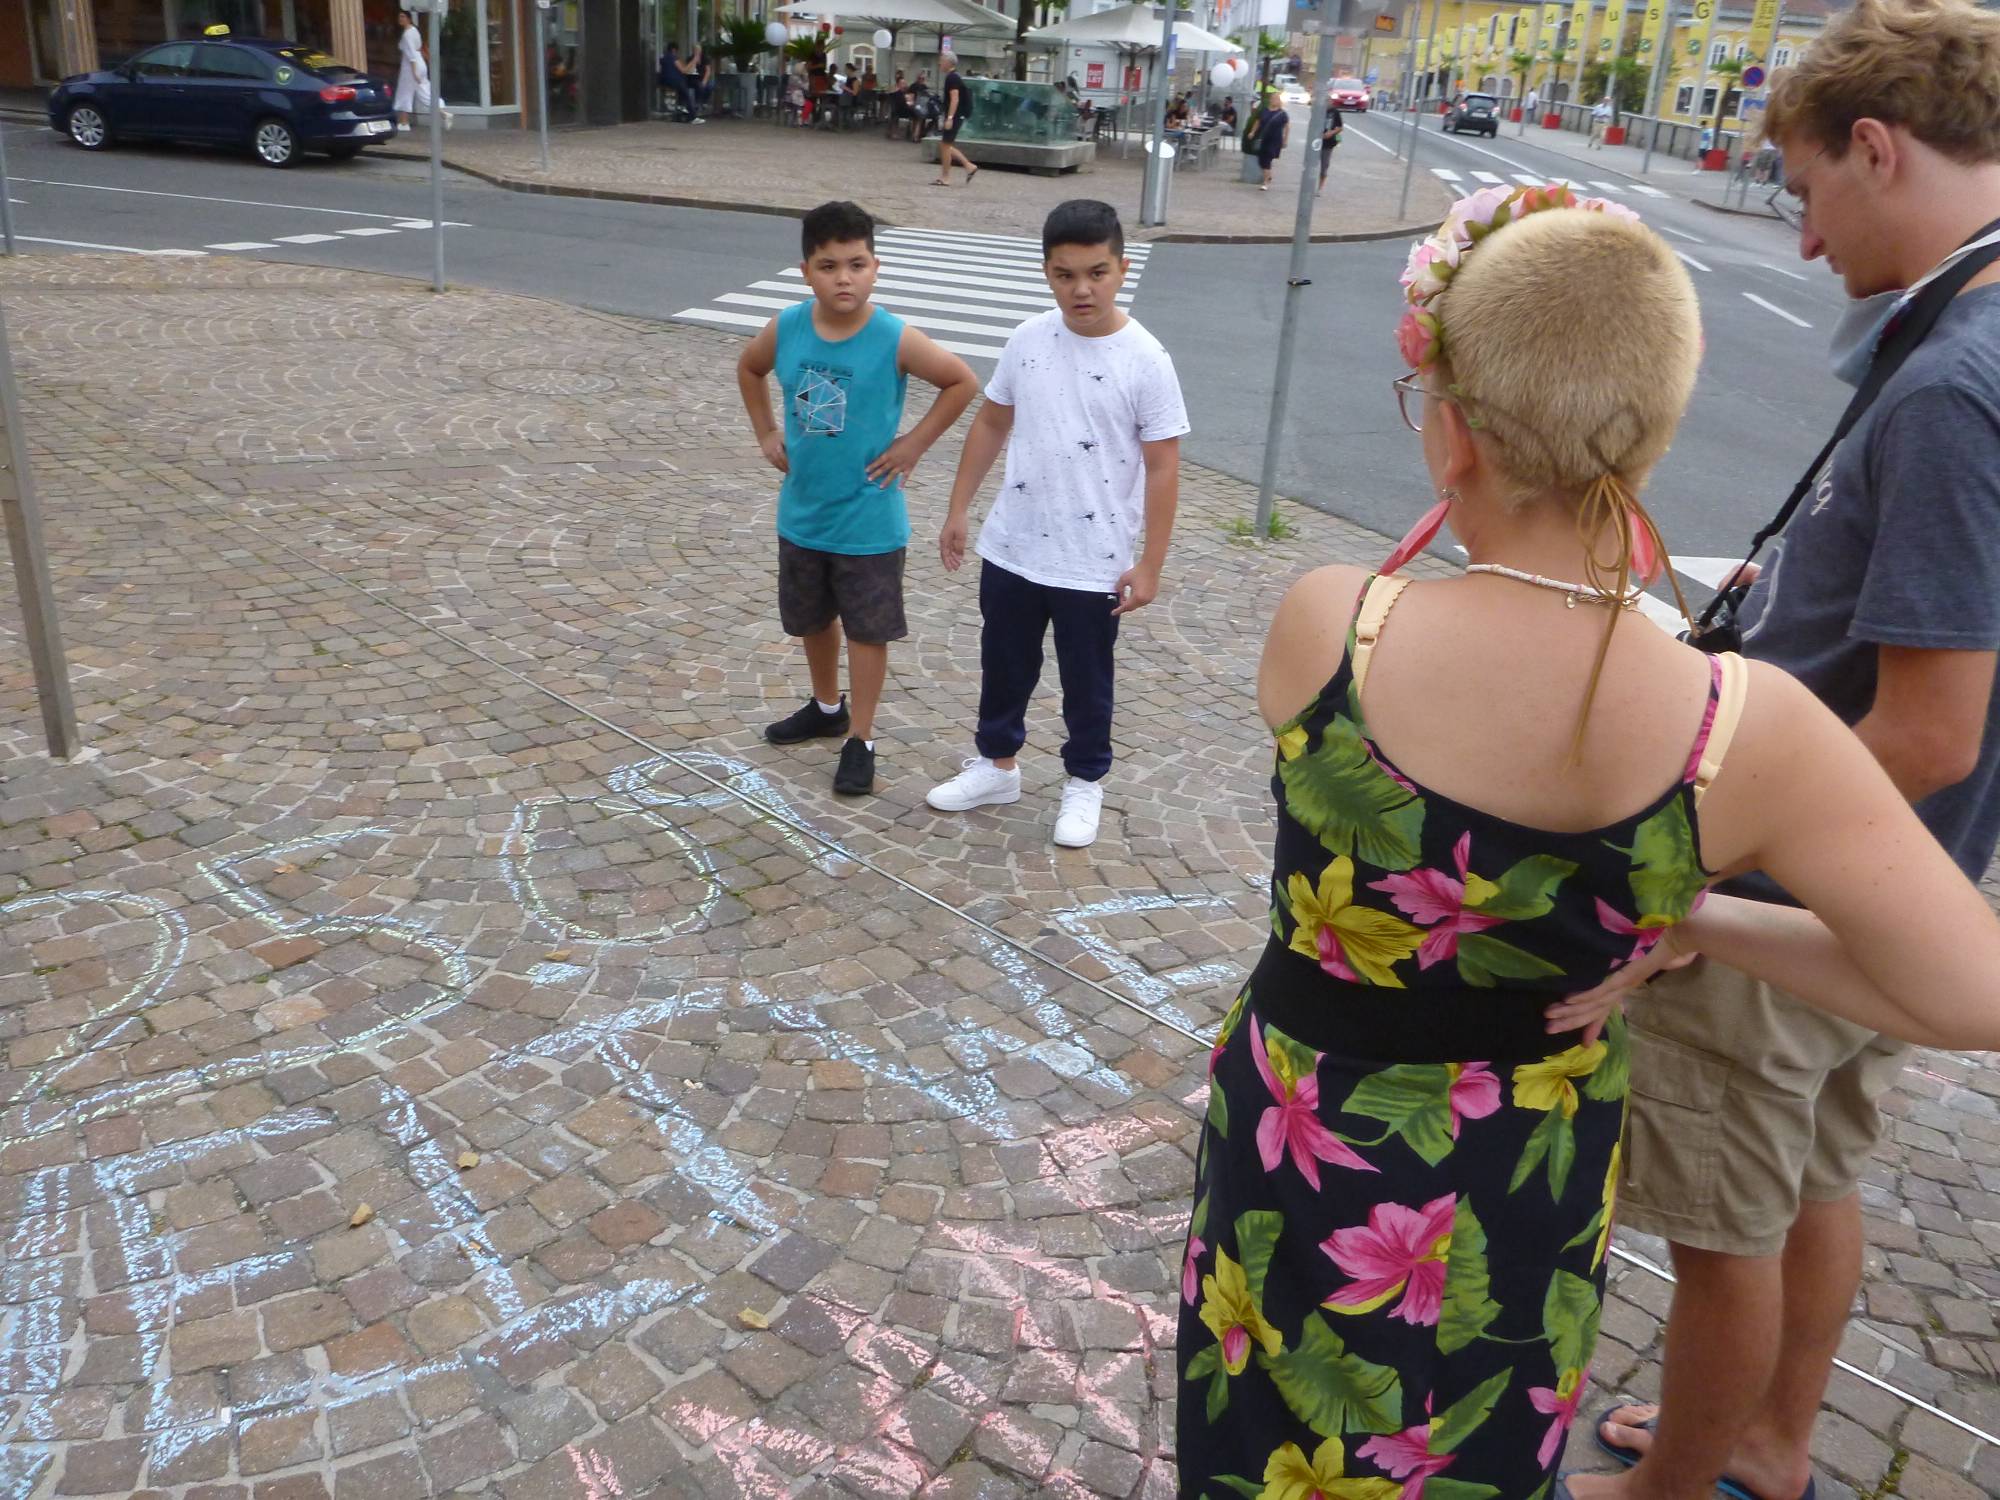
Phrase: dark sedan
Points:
(1473, 112)
(276, 98)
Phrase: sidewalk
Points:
(762, 166)
(446, 1052)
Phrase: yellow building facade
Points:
(1450, 45)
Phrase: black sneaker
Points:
(856, 776)
(810, 723)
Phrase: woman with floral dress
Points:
(1494, 814)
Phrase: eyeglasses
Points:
(1787, 202)
(1407, 388)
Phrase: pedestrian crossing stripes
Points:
(968, 291)
(1528, 179)
(368, 231)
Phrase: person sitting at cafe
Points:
(1177, 114)
(1228, 115)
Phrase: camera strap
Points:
(1910, 325)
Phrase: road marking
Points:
(1445, 174)
(1773, 307)
(917, 282)
(32, 239)
(1782, 271)
(1708, 570)
(307, 239)
(1650, 192)
(1693, 262)
(303, 208)
(1365, 136)
(1493, 177)
(368, 229)
(1527, 181)
(1693, 239)
(244, 245)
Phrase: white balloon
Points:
(775, 35)
(883, 40)
(1222, 75)
(1238, 65)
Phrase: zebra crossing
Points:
(1494, 179)
(968, 291)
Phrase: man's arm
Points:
(983, 444)
(1929, 718)
(950, 106)
(753, 372)
(1139, 586)
(920, 355)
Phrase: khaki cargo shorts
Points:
(1744, 1101)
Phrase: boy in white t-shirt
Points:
(1086, 403)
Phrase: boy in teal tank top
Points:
(843, 365)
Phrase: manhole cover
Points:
(551, 381)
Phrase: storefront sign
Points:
(1093, 75)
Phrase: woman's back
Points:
(1459, 847)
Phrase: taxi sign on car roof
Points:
(216, 30)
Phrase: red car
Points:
(1349, 93)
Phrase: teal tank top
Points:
(843, 404)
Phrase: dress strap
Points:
(1369, 616)
(1729, 683)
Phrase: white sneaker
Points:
(979, 784)
(1076, 824)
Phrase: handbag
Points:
(1716, 630)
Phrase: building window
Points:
(1514, 33)
(1684, 100)
(1782, 58)
(1718, 53)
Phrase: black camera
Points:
(1718, 630)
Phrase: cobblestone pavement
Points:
(446, 1052)
(758, 163)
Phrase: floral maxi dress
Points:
(1404, 1187)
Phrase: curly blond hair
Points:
(1931, 66)
(1572, 339)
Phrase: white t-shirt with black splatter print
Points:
(1073, 505)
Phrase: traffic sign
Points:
(1753, 76)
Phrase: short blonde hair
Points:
(1931, 66)
(1572, 337)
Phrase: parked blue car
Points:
(277, 98)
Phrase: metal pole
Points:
(1417, 111)
(1662, 45)
(437, 154)
(1535, 47)
(1296, 282)
(6, 198)
(1155, 160)
(31, 570)
(542, 75)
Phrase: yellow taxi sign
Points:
(216, 30)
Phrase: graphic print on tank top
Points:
(821, 402)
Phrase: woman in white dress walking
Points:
(413, 73)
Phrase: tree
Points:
(1623, 78)
(1269, 49)
(1725, 73)
(1519, 66)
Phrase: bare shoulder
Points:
(1306, 640)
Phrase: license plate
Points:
(375, 127)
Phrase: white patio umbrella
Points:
(1129, 28)
(944, 17)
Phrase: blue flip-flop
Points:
(1731, 1486)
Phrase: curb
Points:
(670, 200)
(1737, 213)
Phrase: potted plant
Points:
(1725, 74)
(742, 41)
(1519, 65)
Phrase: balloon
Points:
(775, 35)
(1238, 65)
(1222, 75)
(883, 40)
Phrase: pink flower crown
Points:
(1433, 262)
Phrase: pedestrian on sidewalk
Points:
(1329, 137)
(1499, 800)
(1754, 1116)
(1273, 130)
(957, 106)
(1086, 404)
(413, 74)
(843, 366)
(1600, 121)
(1531, 105)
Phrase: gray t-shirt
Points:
(1899, 545)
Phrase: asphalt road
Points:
(1764, 403)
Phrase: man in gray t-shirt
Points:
(1753, 1116)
